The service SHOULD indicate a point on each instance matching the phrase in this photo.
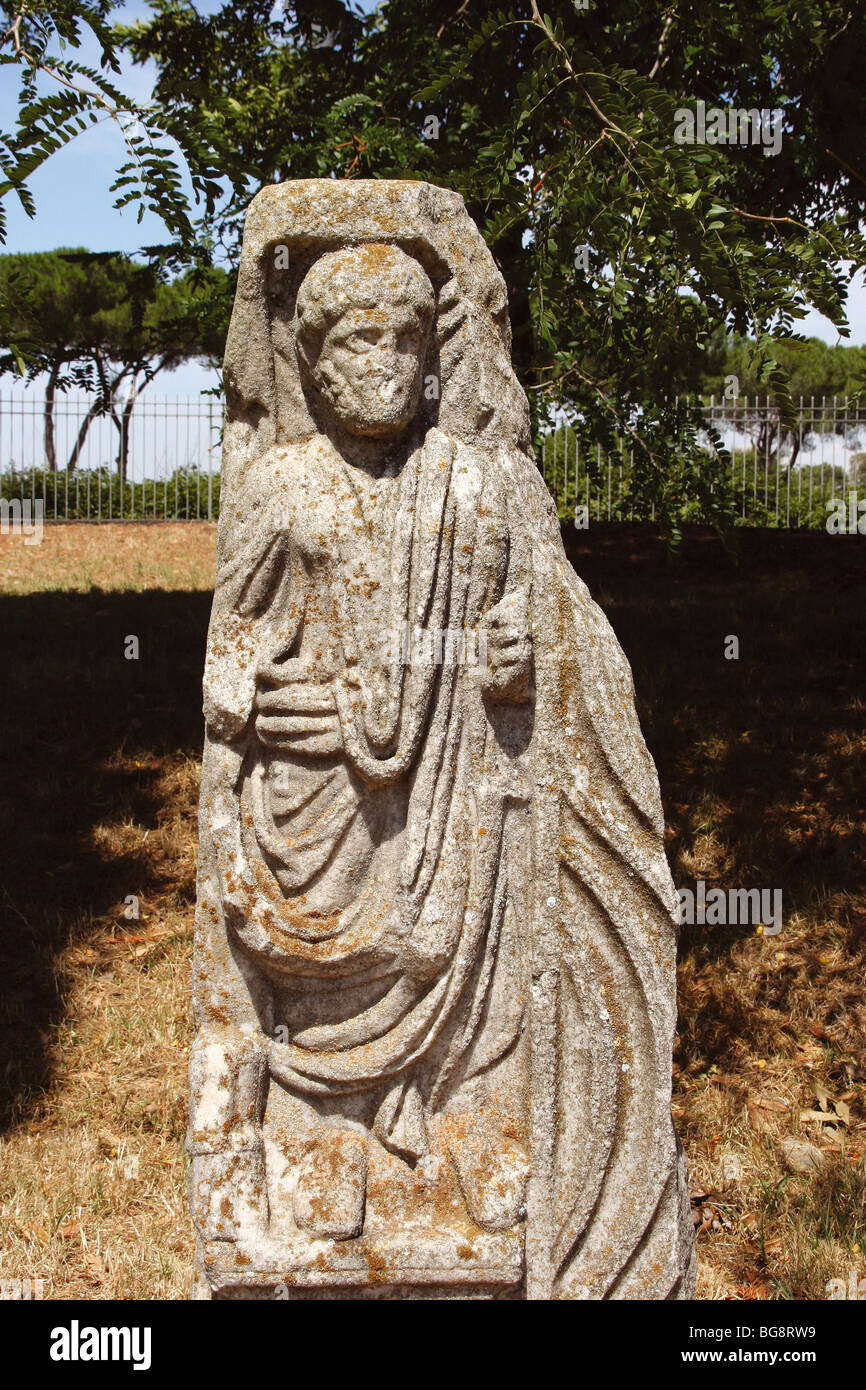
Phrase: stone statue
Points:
(435, 948)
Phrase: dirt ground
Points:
(761, 764)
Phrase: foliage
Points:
(99, 494)
(828, 384)
(558, 129)
(59, 97)
(814, 369)
(103, 323)
(758, 486)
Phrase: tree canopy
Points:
(626, 250)
(104, 323)
(815, 369)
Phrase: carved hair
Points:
(270, 336)
(358, 277)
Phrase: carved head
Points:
(363, 319)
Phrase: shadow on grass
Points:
(763, 754)
(760, 759)
(78, 717)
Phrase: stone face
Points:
(435, 947)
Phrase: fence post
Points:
(175, 436)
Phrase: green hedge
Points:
(97, 495)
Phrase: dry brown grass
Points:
(78, 558)
(100, 806)
(761, 763)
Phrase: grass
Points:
(114, 557)
(101, 786)
(761, 767)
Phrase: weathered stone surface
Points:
(434, 969)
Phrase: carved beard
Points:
(361, 409)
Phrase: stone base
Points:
(487, 1267)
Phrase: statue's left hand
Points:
(299, 716)
(508, 637)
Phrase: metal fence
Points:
(758, 471)
(159, 459)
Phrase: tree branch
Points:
(605, 120)
(661, 55)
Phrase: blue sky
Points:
(74, 206)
